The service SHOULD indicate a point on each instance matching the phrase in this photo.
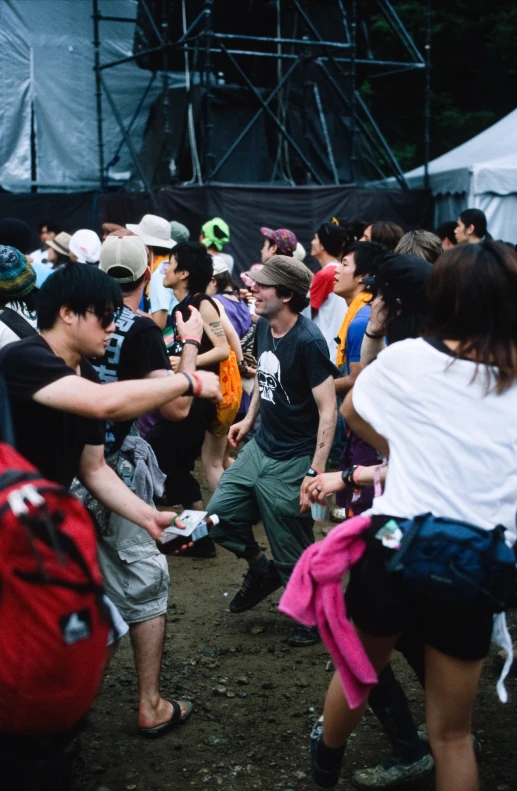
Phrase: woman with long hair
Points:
(442, 408)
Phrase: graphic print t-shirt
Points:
(136, 348)
(288, 369)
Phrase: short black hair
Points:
(272, 243)
(297, 303)
(193, 257)
(368, 256)
(50, 225)
(80, 287)
(446, 231)
(477, 218)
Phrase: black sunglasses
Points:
(107, 318)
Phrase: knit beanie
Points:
(17, 277)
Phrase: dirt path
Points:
(255, 700)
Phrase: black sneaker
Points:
(256, 587)
(392, 772)
(324, 778)
(302, 636)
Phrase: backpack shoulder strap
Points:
(16, 323)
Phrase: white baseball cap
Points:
(127, 253)
(86, 246)
(154, 230)
(220, 265)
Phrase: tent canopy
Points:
(482, 174)
(489, 159)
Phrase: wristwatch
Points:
(311, 473)
(347, 476)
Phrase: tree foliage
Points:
(473, 75)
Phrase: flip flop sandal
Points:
(177, 719)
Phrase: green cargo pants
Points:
(256, 488)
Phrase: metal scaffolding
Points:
(338, 64)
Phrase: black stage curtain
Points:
(245, 209)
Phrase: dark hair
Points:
(15, 233)
(446, 231)
(160, 250)
(80, 287)
(224, 283)
(272, 243)
(50, 225)
(477, 218)
(297, 303)
(122, 271)
(29, 302)
(472, 298)
(368, 256)
(386, 233)
(192, 257)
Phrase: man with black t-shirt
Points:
(294, 391)
(59, 406)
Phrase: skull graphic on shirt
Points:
(268, 374)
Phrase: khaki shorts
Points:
(136, 575)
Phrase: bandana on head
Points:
(216, 233)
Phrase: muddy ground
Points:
(255, 700)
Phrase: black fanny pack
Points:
(451, 560)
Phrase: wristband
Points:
(369, 335)
(241, 363)
(190, 390)
(191, 338)
(312, 473)
(347, 476)
(192, 341)
(198, 385)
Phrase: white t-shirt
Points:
(7, 335)
(332, 310)
(160, 297)
(453, 449)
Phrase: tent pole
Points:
(427, 113)
(98, 93)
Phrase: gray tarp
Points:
(46, 63)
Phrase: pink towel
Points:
(314, 597)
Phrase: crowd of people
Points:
(388, 378)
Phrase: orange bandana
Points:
(358, 302)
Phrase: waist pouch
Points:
(455, 561)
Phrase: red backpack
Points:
(53, 619)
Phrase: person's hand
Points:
(175, 363)
(158, 523)
(377, 323)
(237, 433)
(324, 484)
(210, 387)
(248, 372)
(193, 327)
(305, 500)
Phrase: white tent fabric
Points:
(482, 174)
(46, 72)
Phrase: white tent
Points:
(481, 174)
